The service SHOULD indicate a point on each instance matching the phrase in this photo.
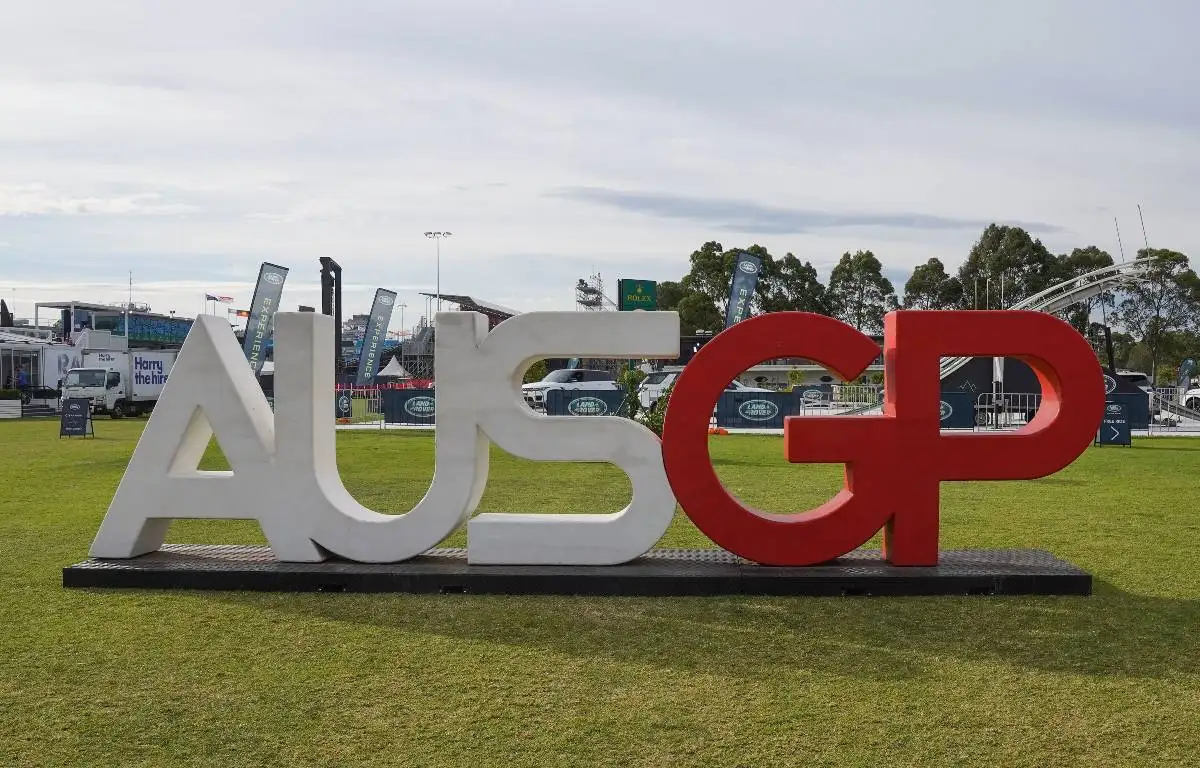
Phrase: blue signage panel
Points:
(1114, 428)
(957, 410)
(343, 405)
(408, 406)
(76, 418)
(584, 402)
(1137, 407)
(754, 410)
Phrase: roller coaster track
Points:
(1058, 297)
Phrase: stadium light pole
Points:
(402, 306)
(437, 238)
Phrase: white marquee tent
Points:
(393, 370)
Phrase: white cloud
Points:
(203, 140)
(40, 200)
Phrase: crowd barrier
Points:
(585, 402)
(735, 410)
(408, 406)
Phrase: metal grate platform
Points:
(661, 572)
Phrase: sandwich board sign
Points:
(343, 406)
(1114, 427)
(76, 418)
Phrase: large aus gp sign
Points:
(285, 476)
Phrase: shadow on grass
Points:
(1112, 633)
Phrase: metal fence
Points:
(366, 404)
(857, 394)
(1168, 415)
(1005, 410)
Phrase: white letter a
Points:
(210, 389)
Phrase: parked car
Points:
(657, 382)
(566, 379)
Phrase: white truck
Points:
(120, 383)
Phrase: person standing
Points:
(23, 385)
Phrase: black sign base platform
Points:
(662, 572)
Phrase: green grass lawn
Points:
(112, 678)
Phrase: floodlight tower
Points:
(437, 238)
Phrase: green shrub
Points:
(629, 380)
(535, 372)
(655, 416)
(10, 394)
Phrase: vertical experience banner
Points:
(263, 306)
(372, 346)
(741, 289)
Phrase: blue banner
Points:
(263, 306)
(374, 337)
(408, 406)
(741, 288)
(754, 410)
(584, 402)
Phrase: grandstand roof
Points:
(91, 306)
(468, 304)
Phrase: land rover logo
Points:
(75, 406)
(385, 300)
(422, 407)
(758, 410)
(944, 410)
(747, 267)
(811, 395)
(1113, 408)
(1110, 385)
(274, 278)
(587, 406)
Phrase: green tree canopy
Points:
(859, 293)
(1162, 304)
(931, 288)
(791, 285)
(1017, 265)
(1077, 263)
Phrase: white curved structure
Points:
(1058, 297)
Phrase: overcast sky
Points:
(190, 142)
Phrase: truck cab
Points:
(120, 383)
(103, 388)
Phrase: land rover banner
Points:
(741, 291)
(372, 344)
(262, 309)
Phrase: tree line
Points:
(1155, 320)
